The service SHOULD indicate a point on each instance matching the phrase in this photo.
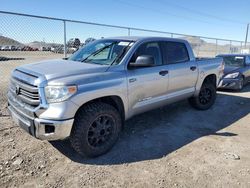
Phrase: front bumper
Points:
(41, 128)
(227, 83)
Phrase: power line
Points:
(160, 11)
(163, 11)
(194, 11)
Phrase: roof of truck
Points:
(137, 38)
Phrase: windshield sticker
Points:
(124, 43)
(239, 57)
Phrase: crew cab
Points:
(88, 96)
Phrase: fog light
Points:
(49, 129)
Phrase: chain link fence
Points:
(30, 38)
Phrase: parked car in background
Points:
(43, 48)
(28, 48)
(13, 48)
(19, 48)
(71, 50)
(58, 49)
(88, 96)
(236, 72)
(6, 48)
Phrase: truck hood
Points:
(231, 69)
(55, 69)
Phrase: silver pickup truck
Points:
(88, 96)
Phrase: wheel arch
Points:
(112, 100)
(211, 78)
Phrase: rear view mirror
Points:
(143, 61)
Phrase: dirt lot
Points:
(20, 58)
(175, 146)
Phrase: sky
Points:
(214, 18)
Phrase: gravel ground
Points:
(175, 146)
(7, 66)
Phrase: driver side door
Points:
(147, 85)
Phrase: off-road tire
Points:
(85, 120)
(204, 103)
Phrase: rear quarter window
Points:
(175, 52)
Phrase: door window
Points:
(175, 52)
(149, 49)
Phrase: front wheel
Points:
(206, 97)
(241, 83)
(96, 129)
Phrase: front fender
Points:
(90, 92)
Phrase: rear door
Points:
(183, 73)
(146, 85)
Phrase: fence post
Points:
(230, 47)
(128, 31)
(216, 47)
(240, 47)
(65, 39)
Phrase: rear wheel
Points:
(96, 129)
(206, 97)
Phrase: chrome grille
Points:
(25, 92)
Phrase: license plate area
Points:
(23, 122)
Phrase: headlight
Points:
(59, 93)
(233, 75)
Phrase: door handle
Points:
(132, 80)
(163, 72)
(193, 68)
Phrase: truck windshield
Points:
(104, 52)
(236, 61)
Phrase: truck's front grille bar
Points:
(25, 92)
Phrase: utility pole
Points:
(246, 36)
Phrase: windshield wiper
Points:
(98, 51)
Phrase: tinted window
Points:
(236, 61)
(150, 49)
(248, 60)
(175, 52)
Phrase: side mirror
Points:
(143, 61)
